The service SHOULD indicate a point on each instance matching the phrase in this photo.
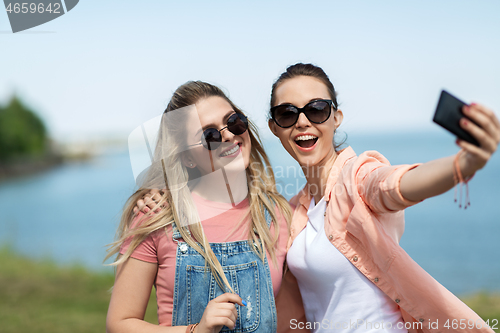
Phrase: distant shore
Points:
(59, 153)
(28, 166)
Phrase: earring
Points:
(190, 164)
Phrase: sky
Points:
(106, 67)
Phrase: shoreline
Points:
(27, 167)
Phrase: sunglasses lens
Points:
(317, 111)
(286, 115)
(237, 124)
(211, 139)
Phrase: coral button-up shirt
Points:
(364, 220)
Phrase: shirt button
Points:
(397, 300)
(376, 280)
(330, 237)
(183, 248)
(355, 258)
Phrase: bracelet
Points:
(458, 178)
(190, 328)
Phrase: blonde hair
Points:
(180, 206)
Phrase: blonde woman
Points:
(214, 250)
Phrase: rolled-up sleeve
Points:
(378, 182)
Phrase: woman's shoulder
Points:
(295, 200)
(280, 216)
(364, 163)
(154, 229)
(280, 206)
(369, 156)
(373, 156)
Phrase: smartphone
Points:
(448, 114)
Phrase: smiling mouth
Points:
(230, 151)
(306, 141)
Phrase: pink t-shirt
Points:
(223, 226)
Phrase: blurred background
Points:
(73, 89)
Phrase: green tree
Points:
(22, 132)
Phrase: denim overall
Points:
(249, 277)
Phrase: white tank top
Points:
(336, 296)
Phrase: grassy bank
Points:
(43, 297)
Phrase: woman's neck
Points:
(317, 175)
(223, 186)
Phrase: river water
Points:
(69, 214)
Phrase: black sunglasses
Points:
(318, 111)
(211, 138)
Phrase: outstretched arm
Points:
(436, 177)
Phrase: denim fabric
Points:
(249, 277)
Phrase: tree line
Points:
(23, 135)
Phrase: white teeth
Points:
(229, 152)
(305, 137)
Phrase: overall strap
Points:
(266, 212)
(268, 217)
(176, 234)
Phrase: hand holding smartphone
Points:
(448, 114)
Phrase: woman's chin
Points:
(236, 164)
(306, 158)
(307, 161)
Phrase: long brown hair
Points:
(261, 188)
(301, 69)
(311, 70)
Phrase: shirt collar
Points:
(342, 157)
(315, 214)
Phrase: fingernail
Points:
(473, 104)
(146, 209)
(466, 109)
(464, 122)
(244, 302)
